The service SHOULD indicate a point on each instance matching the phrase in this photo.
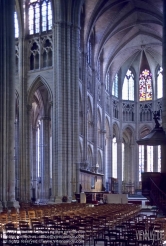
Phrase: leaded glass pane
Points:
(160, 83)
(149, 158)
(114, 158)
(16, 25)
(131, 88)
(37, 18)
(40, 16)
(31, 20)
(141, 160)
(145, 86)
(44, 17)
(128, 86)
(49, 16)
(125, 89)
(115, 86)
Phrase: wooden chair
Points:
(39, 213)
(31, 214)
(3, 219)
(22, 215)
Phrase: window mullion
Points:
(47, 16)
(34, 20)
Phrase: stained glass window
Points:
(128, 86)
(145, 86)
(115, 86)
(160, 83)
(114, 158)
(40, 16)
(16, 25)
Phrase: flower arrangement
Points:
(64, 199)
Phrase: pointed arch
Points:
(39, 81)
(40, 131)
(128, 134)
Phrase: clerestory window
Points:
(115, 86)
(16, 25)
(40, 16)
(160, 83)
(128, 86)
(145, 86)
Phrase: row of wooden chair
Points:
(114, 212)
(86, 229)
(88, 223)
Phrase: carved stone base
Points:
(58, 199)
(13, 204)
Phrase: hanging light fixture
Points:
(157, 136)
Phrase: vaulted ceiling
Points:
(125, 30)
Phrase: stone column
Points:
(133, 167)
(85, 110)
(24, 168)
(34, 163)
(108, 168)
(95, 129)
(45, 158)
(57, 118)
(119, 165)
(163, 147)
(7, 105)
(104, 163)
(17, 156)
(65, 109)
(74, 31)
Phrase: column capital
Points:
(65, 23)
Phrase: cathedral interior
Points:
(80, 81)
